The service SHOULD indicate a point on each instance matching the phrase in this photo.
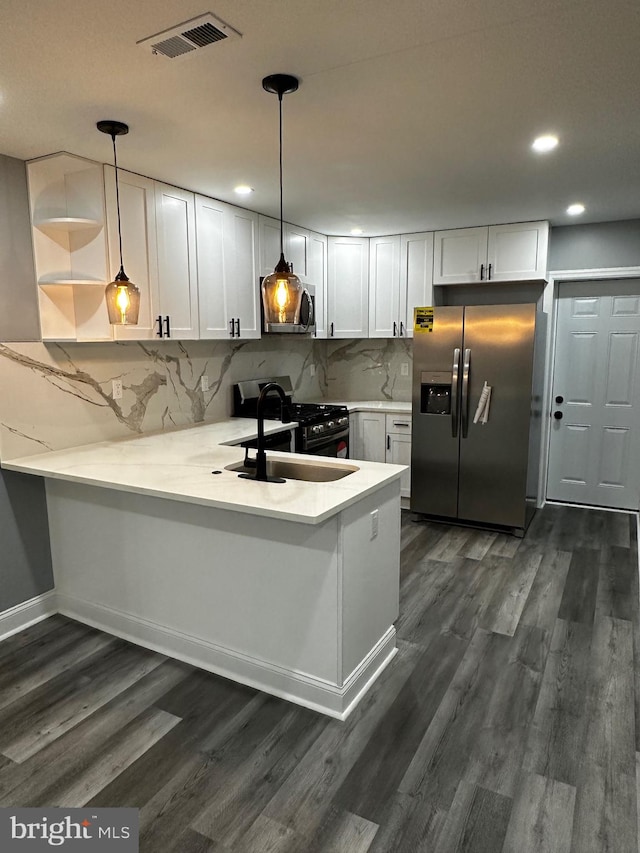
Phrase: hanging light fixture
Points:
(287, 304)
(123, 297)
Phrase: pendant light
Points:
(284, 299)
(123, 297)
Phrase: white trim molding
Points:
(27, 613)
(298, 687)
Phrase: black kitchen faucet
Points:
(261, 456)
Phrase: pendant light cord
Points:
(281, 208)
(115, 163)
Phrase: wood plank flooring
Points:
(509, 720)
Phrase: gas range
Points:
(323, 428)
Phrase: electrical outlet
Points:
(312, 370)
(116, 389)
(204, 384)
(404, 368)
(374, 524)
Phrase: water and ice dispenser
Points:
(435, 393)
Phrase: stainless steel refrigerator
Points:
(484, 472)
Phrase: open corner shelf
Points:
(68, 224)
(69, 282)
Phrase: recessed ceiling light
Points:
(544, 143)
(575, 209)
(243, 189)
(356, 231)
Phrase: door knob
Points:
(559, 399)
(557, 416)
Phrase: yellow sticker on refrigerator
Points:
(422, 320)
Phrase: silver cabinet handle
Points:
(454, 392)
(466, 369)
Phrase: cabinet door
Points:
(241, 270)
(398, 452)
(269, 244)
(460, 256)
(348, 287)
(139, 246)
(384, 287)
(371, 436)
(177, 281)
(416, 277)
(317, 276)
(518, 252)
(296, 248)
(214, 310)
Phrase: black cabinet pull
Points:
(489, 276)
(395, 328)
(481, 272)
(332, 330)
(232, 323)
(238, 327)
(559, 399)
(167, 326)
(401, 328)
(388, 442)
(557, 416)
(159, 322)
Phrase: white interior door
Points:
(594, 454)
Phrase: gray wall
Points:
(25, 553)
(598, 245)
(18, 289)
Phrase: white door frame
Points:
(550, 306)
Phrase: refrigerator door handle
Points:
(466, 367)
(454, 392)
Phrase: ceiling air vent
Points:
(185, 38)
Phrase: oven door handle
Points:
(314, 443)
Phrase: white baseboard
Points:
(314, 693)
(28, 613)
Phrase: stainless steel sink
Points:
(312, 472)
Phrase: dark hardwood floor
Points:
(508, 721)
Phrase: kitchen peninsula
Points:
(290, 587)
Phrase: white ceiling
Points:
(411, 115)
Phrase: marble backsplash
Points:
(60, 395)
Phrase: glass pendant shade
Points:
(282, 293)
(123, 301)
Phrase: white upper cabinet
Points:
(317, 276)
(296, 249)
(515, 252)
(348, 287)
(216, 317)
(139, 246)
(384, 287)
(228, 287)
(518, 252)
(460, 256)
(401, 277)
(241, 270)
(416, 277)
(177, 280)
(269, 231)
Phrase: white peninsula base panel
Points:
(304, 612)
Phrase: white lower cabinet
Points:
(398, 448)
(380, 437)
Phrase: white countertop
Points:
(177, 465)
(386, 406)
